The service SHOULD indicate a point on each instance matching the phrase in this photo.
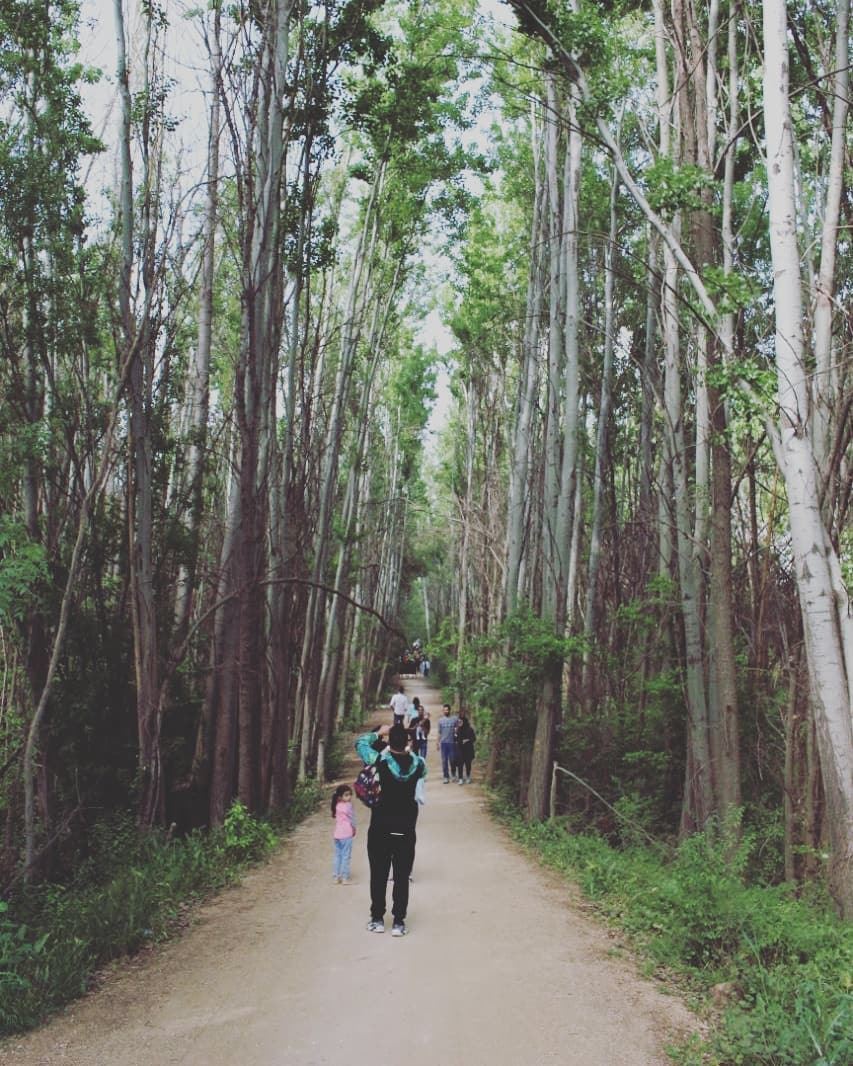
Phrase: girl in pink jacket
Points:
(344, 817)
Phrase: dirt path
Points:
(500, 968)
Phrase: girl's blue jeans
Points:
(343, 855)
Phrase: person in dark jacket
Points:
(421, 733)
(465, 737)
(391, 837)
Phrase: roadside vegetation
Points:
(772, 971)
(764, 958)
(132, 889)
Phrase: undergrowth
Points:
(783, 966)
(132, 890)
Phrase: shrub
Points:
(130, 891)
(244, 838)
(788, 963)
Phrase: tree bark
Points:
(824, 606)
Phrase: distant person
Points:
(391, 837)
(418, 729)
(344, 834)
(446, 742)
(465, 737)
(425, 665)
(422, 727)
(399, 705)
(415, 712)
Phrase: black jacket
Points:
(397, 809)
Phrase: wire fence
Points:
(552, 807)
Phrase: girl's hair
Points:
(338, 794)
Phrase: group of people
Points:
(414, 661)
(456, 738)
(398, 752)
(414, 718)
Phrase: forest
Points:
(519, 328)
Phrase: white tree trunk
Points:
(198, 385)
(603, 423)
(527, 389)
(826, 376)
(823, 602)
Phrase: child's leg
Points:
(346, 858)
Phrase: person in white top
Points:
(400, 706)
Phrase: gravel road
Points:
(501, 967)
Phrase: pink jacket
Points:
(344, 821)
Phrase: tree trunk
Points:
(518, 502)
(198, 386)
(594, 559)
(823, 601)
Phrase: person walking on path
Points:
(415, 715)
(465, 737)
(344, 834)
(446, 742)
(419, 732)
(399, 706)
(391, 837)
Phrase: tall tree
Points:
(824, 603)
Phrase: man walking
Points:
(391, 836)
(399, 706)
(446, 742)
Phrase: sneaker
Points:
(336, 880)
(447, 780)
(398, 929)
(376, 927)
(460, 781)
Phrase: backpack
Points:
(367, 785)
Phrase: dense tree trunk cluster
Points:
(212, 406)
(629, 549)
(700, 472)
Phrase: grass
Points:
(133, 889)
(782, 965)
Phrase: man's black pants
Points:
(384, 850)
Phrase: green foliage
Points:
(749, 385)
(730, 291)
(584, 31)
(18, 952)
(304, 801)
(23, 568)
(132, 889)
(845, 554)
(499, 676)
(670, 188)
(786, 964)
(39, 158)
(244, 838)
